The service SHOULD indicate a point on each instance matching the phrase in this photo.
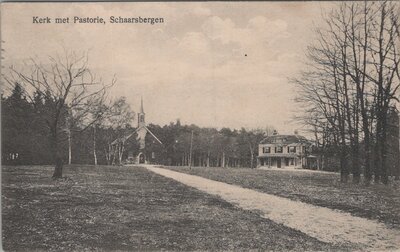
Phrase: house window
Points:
(278, 149)
(291, 149)
(267, 150)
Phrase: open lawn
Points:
(378, 202)
(129, 208)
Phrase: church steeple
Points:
(141, 115)
(141, 105)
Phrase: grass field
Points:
(319, 188)
(126, 208)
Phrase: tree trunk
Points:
(377, 150)
(384, 152)
(251, 157)
(377, 163)
(356, 164)
(121, 152)
(107, 156)
(58, 169)
(69, 147)
(364, 114)
(114, 154)
(367, 149)
(344, 173)
(397, 176)
(94, 145)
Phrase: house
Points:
(138, 157)
(285, 151)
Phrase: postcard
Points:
(200, 126)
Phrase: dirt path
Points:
(319, 222)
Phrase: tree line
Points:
(349, 88)
(27, 140)
(59, 113)
(190, 145)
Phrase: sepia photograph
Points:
(200, 126)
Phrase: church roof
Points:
(124, 138)
(151, 133)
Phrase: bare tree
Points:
(351, 81)
(384, 58)
(120, 118)
(98, 110)
(72, 89)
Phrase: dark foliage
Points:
(26, 139)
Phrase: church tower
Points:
(141, 115)
(141, 132)
(141, 129)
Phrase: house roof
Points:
(284, 139)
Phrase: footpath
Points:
(322, 223)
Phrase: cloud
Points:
(273, 27)
(197, 55)
(217, 28)
(194, 42)
(201, 11)
(258, 30)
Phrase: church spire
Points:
(141, 105)
(141, 122)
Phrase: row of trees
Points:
(210, 147)
(69, 122)
(28, 140)
(350, 85)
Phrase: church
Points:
(138, 156)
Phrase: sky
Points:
(213, 64)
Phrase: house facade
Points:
(285, 151)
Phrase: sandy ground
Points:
(327, 225)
